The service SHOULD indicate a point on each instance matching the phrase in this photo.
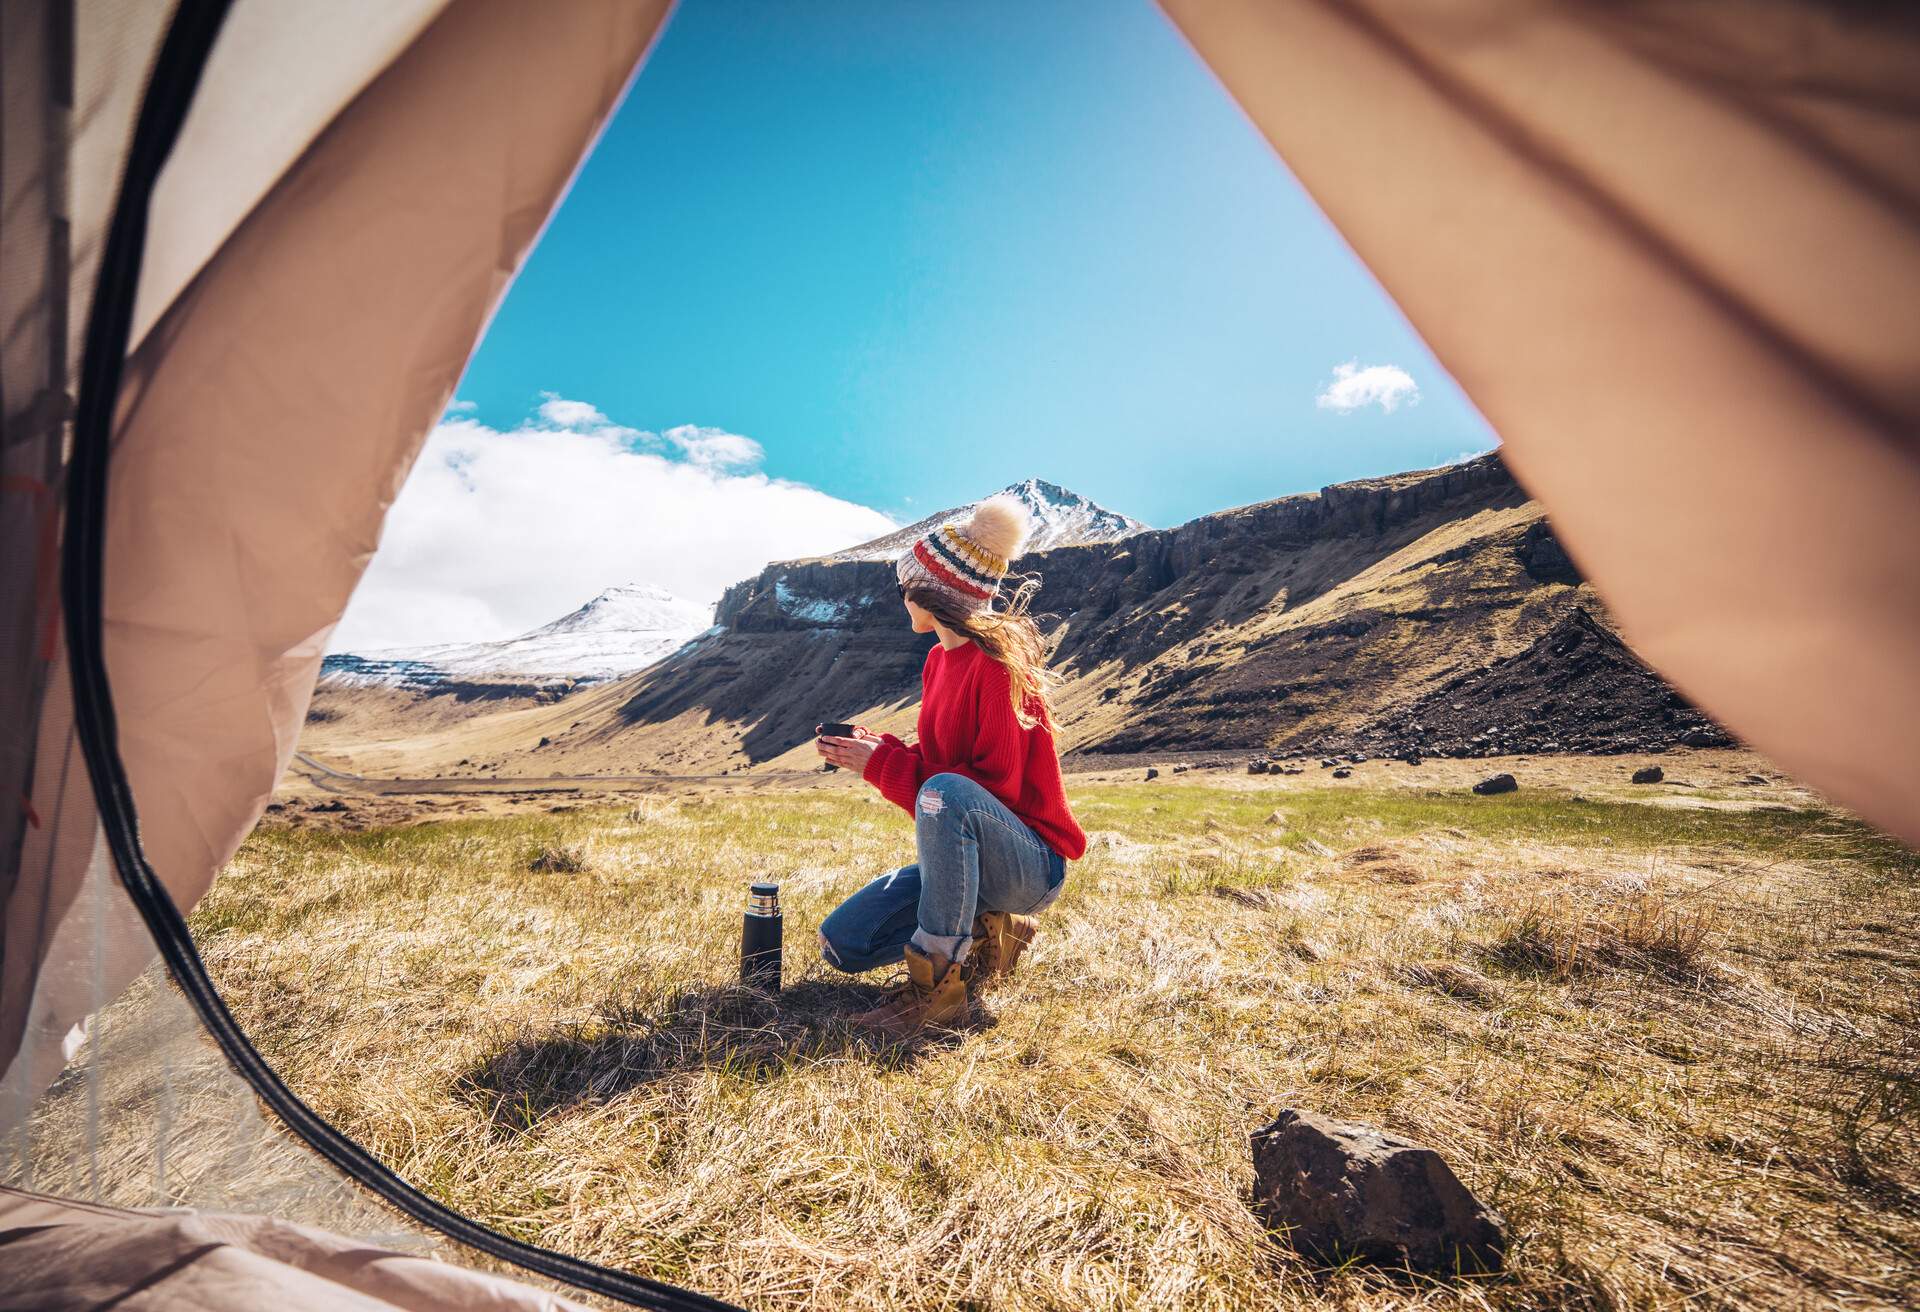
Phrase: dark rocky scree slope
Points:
(1577, 688)
(1189, 639)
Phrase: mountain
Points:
(623, 630)
(1060, 519)
(1429, 613)
(1261, 628)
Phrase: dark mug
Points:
(835, 729)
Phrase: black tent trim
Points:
(176, 76)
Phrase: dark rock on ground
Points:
(1341, 1191)
(1152, 773)
(1343, 773)
(1649, 774)
(335, 805)
(1499, 783)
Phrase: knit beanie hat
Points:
(966, 561)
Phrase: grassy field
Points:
(1678, 1048)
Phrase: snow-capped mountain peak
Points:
(620, 632)
(629, 606)
(1061, 518)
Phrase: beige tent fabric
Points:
(1672, 252)
(278, 75)
(269, 418)
(68, 1255)
(114, 45)
(266, 424)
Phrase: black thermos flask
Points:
(760, 939)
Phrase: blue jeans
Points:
(975, 856)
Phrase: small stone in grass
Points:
(1649, 774)
(557, 860)
(1499, 783)
(1152, 773)
(1343, 773)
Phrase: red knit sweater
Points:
(967, 727)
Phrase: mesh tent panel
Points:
(73, 81)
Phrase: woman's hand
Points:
(849, 753)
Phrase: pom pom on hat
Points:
(1001, 525)
(966, 561)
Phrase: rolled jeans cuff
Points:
(948, 947)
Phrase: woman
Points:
(982, 785)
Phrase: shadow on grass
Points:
(751, 1036)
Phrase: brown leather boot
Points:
(934, 996)
(999, 937)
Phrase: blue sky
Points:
(834, 266)
(918, 251)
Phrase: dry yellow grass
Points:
(1677, 1048)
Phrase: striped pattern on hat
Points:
(968, 561)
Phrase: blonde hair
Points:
(1011, 637)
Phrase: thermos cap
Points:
(763, 899)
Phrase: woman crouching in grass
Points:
(983, 786)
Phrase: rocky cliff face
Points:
(1292, 621)
(1097, 581)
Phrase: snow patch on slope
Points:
(814, 610)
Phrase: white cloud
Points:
(462, 407)
(562, 413)
(497, 532)
(714, 448)
(1353, 387)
